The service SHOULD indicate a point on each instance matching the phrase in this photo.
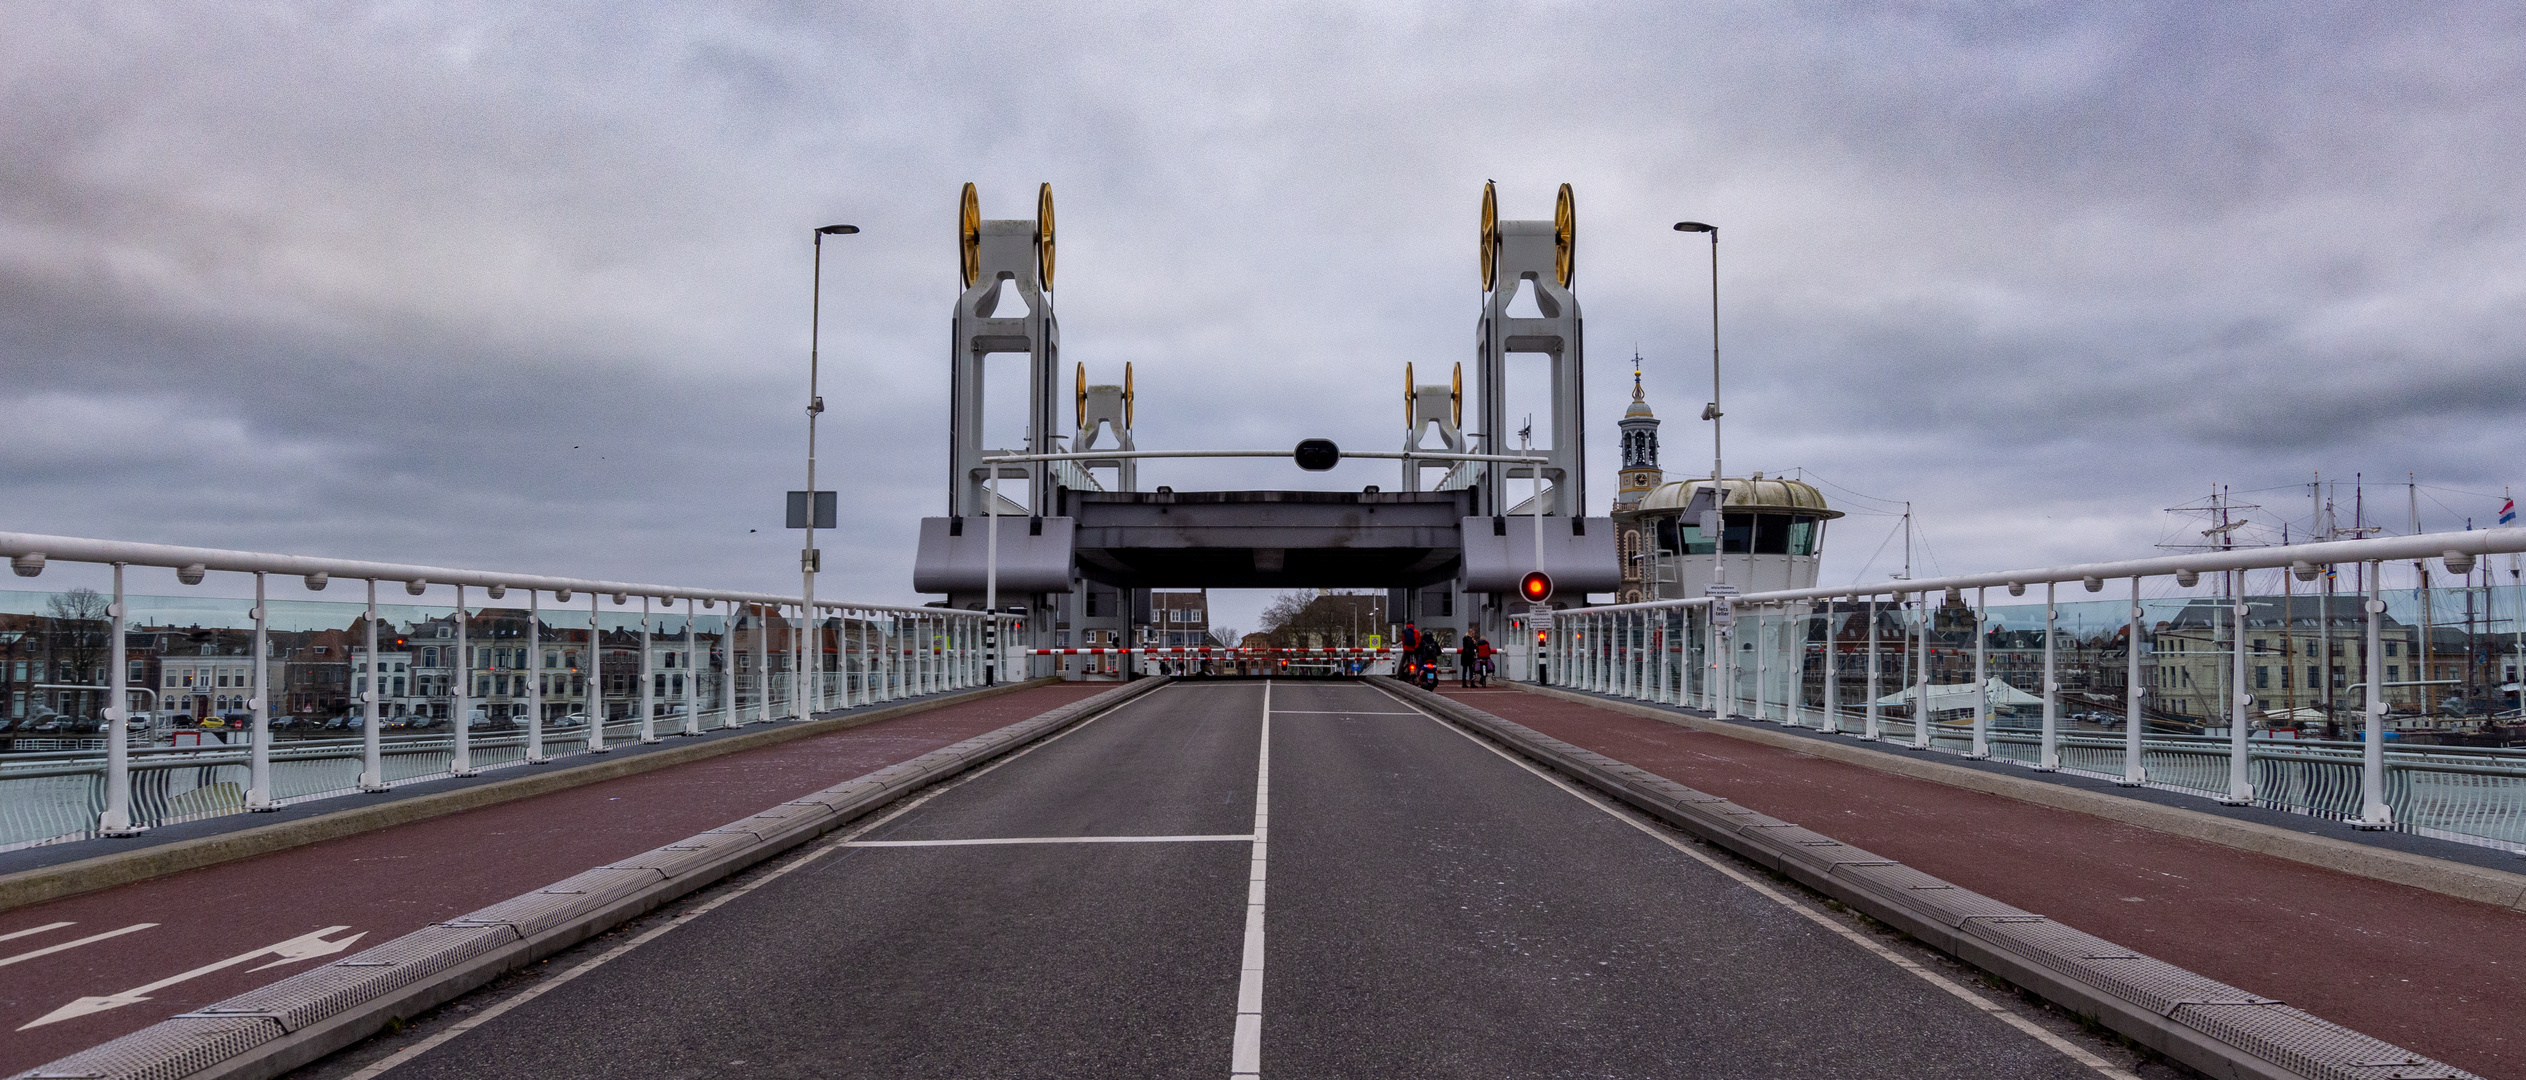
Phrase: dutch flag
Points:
(2508, 511)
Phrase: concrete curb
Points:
(2498, 888)
(107, 871)
(2218, 1029)
(284, 1025)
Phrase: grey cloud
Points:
(362, 275)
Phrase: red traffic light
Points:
(1543, 637)
(1535, 587)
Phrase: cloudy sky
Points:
(457, 284)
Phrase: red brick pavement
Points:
(2438, 975)
(389, 882)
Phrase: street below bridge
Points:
(1239, 878)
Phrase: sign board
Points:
(1719, 588)
(1539, 619)
(1376, 641)
(798, 510)
(1723, 614)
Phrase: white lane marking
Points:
(15, 934)
(1338, 712)
(2069, 1049)
(303, 947)
(1053, 840)
(1245, 1055)
(380, 1066)
(68, 945)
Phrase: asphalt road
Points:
(1429, 908)
(201, 936)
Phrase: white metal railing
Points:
(1697, 652)
(854, 654)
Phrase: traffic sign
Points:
(1719, 588)
(1540, 618)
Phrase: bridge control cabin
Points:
(1771, 537)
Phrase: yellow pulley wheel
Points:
(1490, 234)
(1128, 395)
(1044, 233)
(1083, 396)
(1407, 395)
(1565, 238)
(1456, 397)
(969, 234)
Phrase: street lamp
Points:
(1710, 412)
(808, 562)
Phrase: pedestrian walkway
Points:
(151, 949)
(2443, 976)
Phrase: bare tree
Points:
(75, 625)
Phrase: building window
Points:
(2262, 677)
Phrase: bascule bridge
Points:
(1079, 545)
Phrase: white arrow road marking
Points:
(15, 934)
(67, 945)
(302, 947)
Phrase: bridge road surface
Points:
(1431, 908)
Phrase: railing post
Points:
(1657, 644)
(2048, 758)
(1831, 724)
(537, 673)
(728, 666)
(461, 763)
(2373, 811)
(763, 661)
(1982, 674)
(596, 679)
(1875, 724)
(116, 820)
(648, 675)
(2240, 770)
(2135, 773)
(259, 761)
(798, 701)
(692, 675)
(1762, 665)
(1921, 677)
(815, 660)
(372, 751)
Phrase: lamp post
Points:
(1710, 412)
(808, 560)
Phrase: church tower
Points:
(1640, 447)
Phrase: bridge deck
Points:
(1433, 907)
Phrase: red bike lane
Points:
(180, 942)
(2439, 975)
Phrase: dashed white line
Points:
(1338, 712)
(2068, 1049)
(15, 934)
(1245, 1057)
(69, 945)
(989, 841)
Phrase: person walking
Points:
(1469, 657)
